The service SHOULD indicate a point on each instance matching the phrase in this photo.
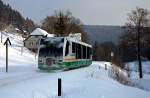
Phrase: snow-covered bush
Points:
(119, 75)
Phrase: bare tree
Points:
(29, 25)
(138, 20)
(63, 23)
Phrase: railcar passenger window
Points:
(84, 52)
(67, 48)
(73, 47)
(79, 51)
(88, 52)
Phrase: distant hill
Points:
(102, 33)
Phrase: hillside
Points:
(101, 33)
(18, 55)
(10, 16)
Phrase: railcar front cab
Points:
(50, 53)
(63, 53)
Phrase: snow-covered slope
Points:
(17, 54)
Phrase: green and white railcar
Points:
(63, 53)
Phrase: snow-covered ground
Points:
(17, 54)
(89, 82)
(141, 83)
(24, 80)
(145, 66)
(20, 60)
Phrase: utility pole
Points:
(111, 54)
(6, 43)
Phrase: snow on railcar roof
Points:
(71, 38)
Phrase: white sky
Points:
(92, 12)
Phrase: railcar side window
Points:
(67, 48)
(73, 47)
(88, 52)
(79, 51)
(84, 52)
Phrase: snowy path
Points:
(88, 82)
(13, 79)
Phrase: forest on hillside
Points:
(9, 16)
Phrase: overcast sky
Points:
(92, 12)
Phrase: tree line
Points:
(138, 21)
(9, 16)
(134, 44)
(136, 38)
(61, 23)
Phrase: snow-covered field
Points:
(141, 83)
(24, 80)
(89, 82)
(21, 60)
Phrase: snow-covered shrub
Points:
(119, 75)
(128, 71)
(116, 60)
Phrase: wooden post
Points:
(21, 50)
(1, 38)
(59, 86)
(105, 66)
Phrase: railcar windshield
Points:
(51, 47)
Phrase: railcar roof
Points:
(70, 39)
